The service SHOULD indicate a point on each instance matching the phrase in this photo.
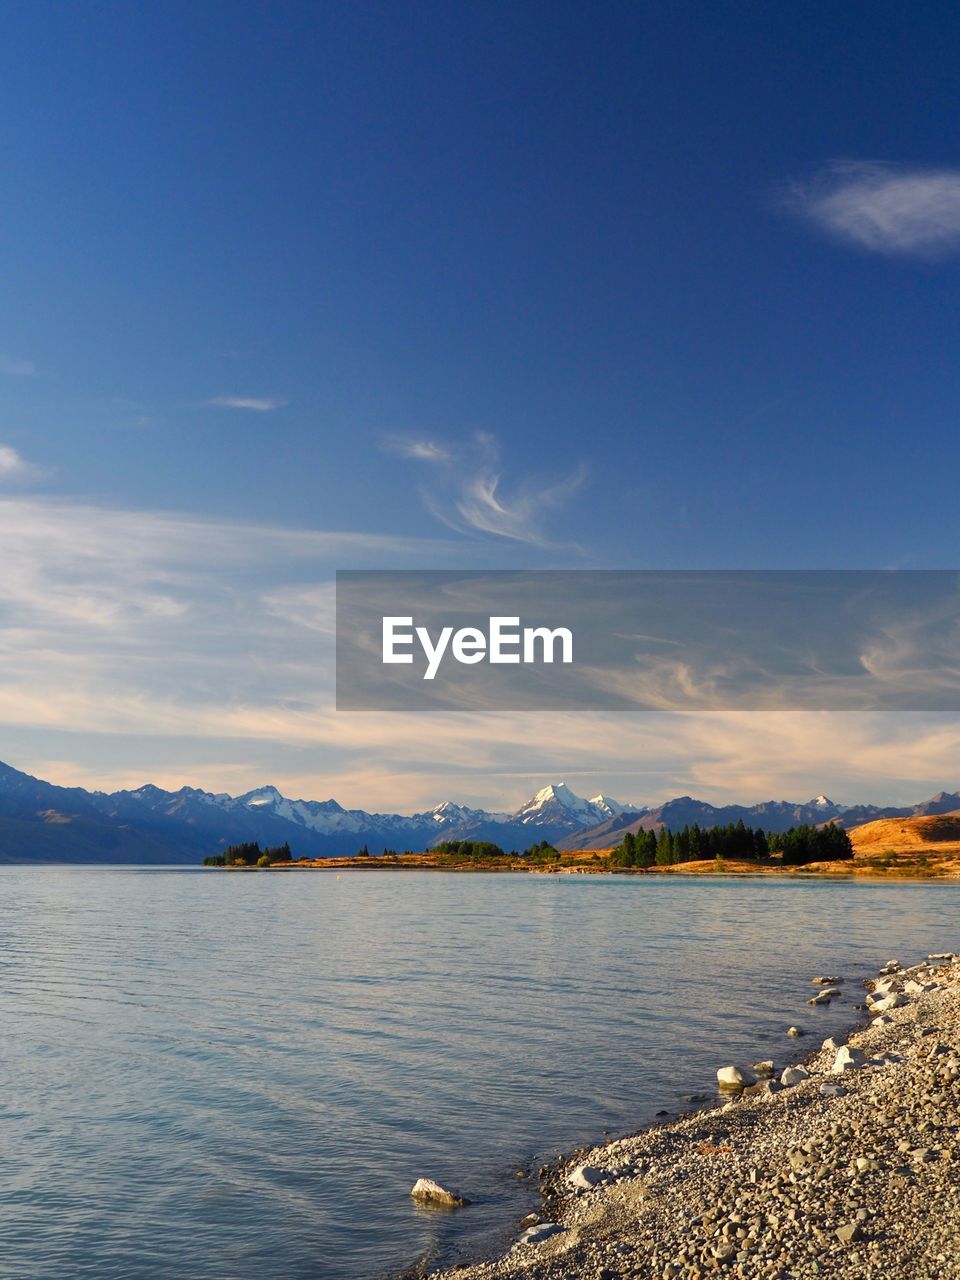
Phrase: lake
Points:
(211, 1074)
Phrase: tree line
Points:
(486, 850)
(799, 845)
(249, 854)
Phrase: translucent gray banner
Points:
(638, 639)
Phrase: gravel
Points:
(814, 1179)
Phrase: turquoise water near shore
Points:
(242, 1076)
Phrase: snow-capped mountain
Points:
(557, 803)
(825, 804)
(43, 822)
(328, 817)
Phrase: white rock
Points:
(542, 1231)
(892, 1001)
(432, 1192)
(793, 1031)
(831, 1045)
(764, 1068)
(847, 1059)
(584, 1176)
(794, 1075)
(731, 1077)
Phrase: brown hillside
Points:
(925, 846)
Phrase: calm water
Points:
(210, 1075)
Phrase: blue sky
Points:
(292, 287)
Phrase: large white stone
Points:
(847, 1059)
(794, 1075)
(431, 1192)
(892, 1001)
(731, 1077)
(585, 1177)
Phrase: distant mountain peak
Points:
(557, 804)
(607, 804)
(555, 793)
(262, 795)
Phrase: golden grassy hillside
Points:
(909, 846)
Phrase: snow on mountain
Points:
(609, 807)
(555, 807)
(557, 803)
(328, 817)
(450, 814)
(265, 795)
(150, 824)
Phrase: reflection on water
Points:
(239, 1076)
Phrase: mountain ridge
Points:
(43, 822)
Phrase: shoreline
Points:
(841, 871)
(848, 1171)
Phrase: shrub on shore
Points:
(249, 854)
(476, 850)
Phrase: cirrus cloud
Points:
(883, 208)
(255, 404)
(467, 493)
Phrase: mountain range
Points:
(42, 822)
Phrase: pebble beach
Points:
(842, 1160)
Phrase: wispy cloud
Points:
(17, 367)
(13, 466)
(467, 492)
(883, 208)
(201, 651)
(255, 404)
(418, 449)
(148, 623)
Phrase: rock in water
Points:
(431, 1192)
(731, 1077)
